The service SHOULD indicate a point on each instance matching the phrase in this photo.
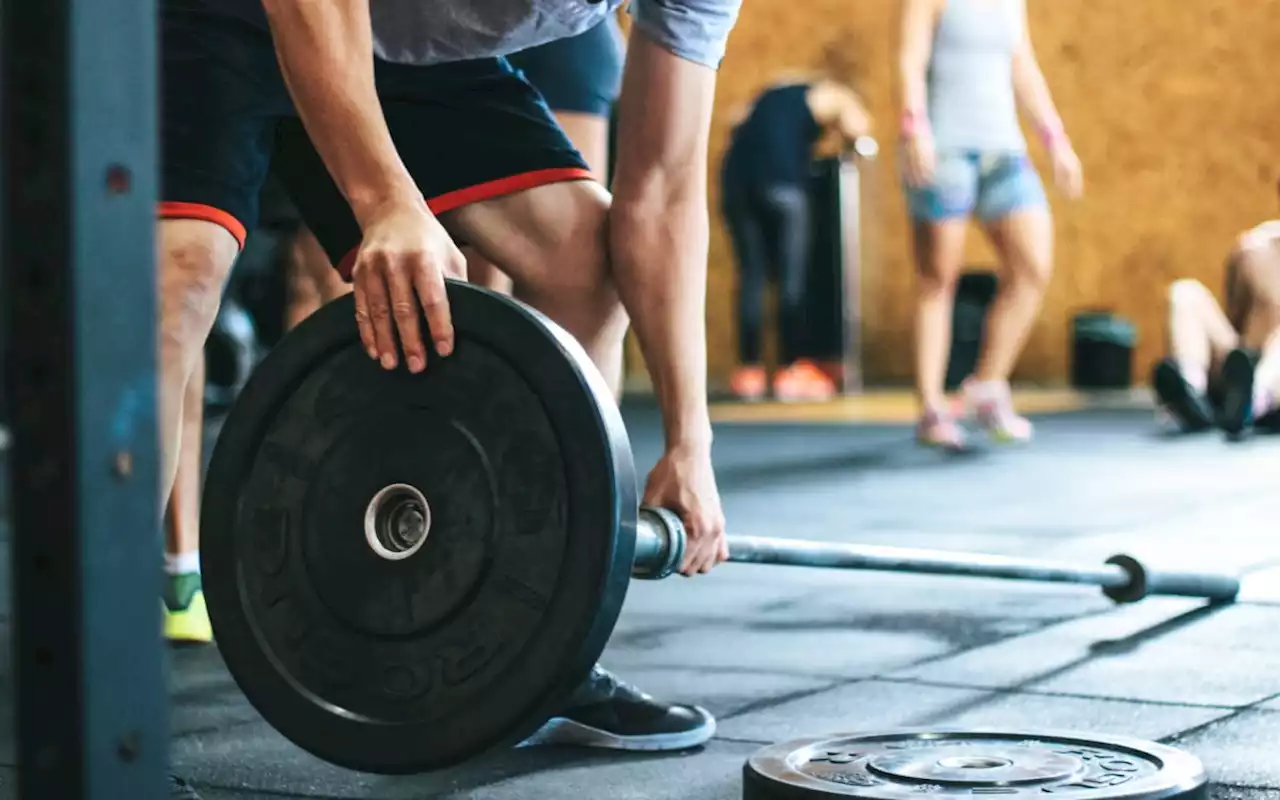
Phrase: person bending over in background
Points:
(765, 199)
(1226, 361)
(966, 66)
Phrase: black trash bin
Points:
(974, 292)
(1102, 350)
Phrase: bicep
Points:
(1024, 57)
(664, 118)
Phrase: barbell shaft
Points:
(660, 544)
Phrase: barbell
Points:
(406, 571)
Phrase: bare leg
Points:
(186, 618)
(195, 260)
(939, 252)
(1200, 335)
(313, 280)
(182, 536)
(590, 134)
(1024, 243)
(552, 241)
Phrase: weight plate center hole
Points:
(397, 521)
(974, 762)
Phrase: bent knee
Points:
(1188, 293)
(195, 260)
(573, 260)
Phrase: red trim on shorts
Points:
(173, 210)
(485, 191)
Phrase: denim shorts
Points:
(988, 185)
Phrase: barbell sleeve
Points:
(660, 545)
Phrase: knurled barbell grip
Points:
(660, 546)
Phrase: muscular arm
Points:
(325, 48)
(919, 17)
(1032, 91)
(659, 227)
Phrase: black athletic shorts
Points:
(582, 73)
(467, 131)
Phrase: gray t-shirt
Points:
(437, 31)
(970, 79)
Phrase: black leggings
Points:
(770, 228)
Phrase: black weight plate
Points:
(399, 666)
(900, 764)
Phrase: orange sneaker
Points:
(802, 382)
(749, 383)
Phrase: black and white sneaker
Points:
(1189, 409)
(180, 789)
(609, 713)
(1237, 393)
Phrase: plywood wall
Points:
(1174, 107)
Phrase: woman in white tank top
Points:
(966, 68)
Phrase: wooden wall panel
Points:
(1174, 108)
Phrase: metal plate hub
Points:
(909, 763)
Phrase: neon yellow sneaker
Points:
(186, 619)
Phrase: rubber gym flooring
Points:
(778, 653)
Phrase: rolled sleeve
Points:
(695, 30)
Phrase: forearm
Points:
(325, 51)
(659, 251)
(658, 226)
(1032, 92)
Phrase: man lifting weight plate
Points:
(394, 159)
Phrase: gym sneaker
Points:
(749, 383)
(803, 382)
(186, 619)
(179, 789)
(992, 404)
(938, 429)
(1189, 409)
(609, 713)
(1237, 392)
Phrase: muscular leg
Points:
(590, 134)
(552, 241)
(195, 260)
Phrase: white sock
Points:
(182, 563)
(987, 391)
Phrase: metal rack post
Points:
(79, 150)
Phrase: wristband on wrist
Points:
(914, 122)
(1051, 134)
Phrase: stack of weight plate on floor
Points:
(909, 763)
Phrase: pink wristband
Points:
(1052, 134)
(914, 122)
